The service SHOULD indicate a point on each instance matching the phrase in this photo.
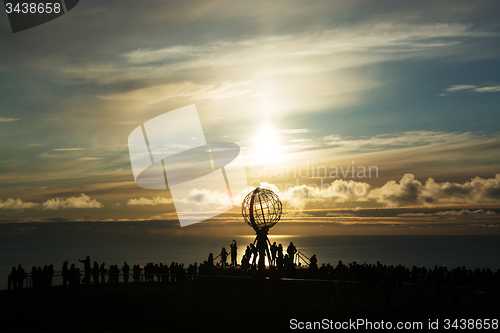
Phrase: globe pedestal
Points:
(261, 209)
(263, 245)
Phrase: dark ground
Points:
(231, 305)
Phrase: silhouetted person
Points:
(34, 277)
(274, 252)
(313, 261)
(126, 270)
(286, 261)
(45, 276)
(291, 250)
(87, 268)
(173, 268)
(280, 258)
(245, 263)
(181, 276)
(65, 271)
(313, 267)
(13, 279)
(137, 273)
(21, 275)
(223, 256)
(248, 252)
(95, 273)
(234, 253)
(210, 261)
(50, 272)
(78, 276)
(103, 271)
(254, 251)
(114, 273)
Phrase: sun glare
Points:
(266, 143)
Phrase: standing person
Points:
(291, 250)
(173, 269)
(223, 256)
(51, 274)
(274, 252)
(13, 278)
(248, 253)
(34, 277)
(254, 251)
(234, 253)
(102, 270)
(65, 271)
(95, 273)
(280, 259)
(21, 275)
(126, 270)
(137, 273)
(87, 269)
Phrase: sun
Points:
(266, 143)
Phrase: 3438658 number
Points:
(32, 8)
(463, 324)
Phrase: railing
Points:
(28, 281)
(299, 256)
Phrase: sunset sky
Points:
(408, 90)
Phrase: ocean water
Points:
(452, 251)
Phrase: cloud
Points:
(149, 202)
(190, 90)
(82, 201)
(404, 139)
(471, 88)
(302, 197)
(183, 69)
(294, 131)
(340, 214)
(16, 204)
(409, 191)
(488, 89)
(463, 212)
(459, 87)
(3, 119)
(68, 149)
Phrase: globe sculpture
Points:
(261, 209)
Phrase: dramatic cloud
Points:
(409, 191)
(169, 72)
(16, 204)
(311, 196)
(82, 201)
(149, 202)
(463, 212)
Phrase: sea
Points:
(428, 251)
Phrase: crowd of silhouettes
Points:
(280, 265)
(401, 275)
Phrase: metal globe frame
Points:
(261, 210)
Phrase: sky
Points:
(364, 117)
